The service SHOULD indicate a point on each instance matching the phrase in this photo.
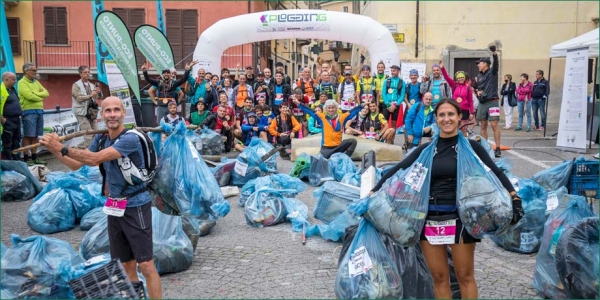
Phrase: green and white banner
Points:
(112, 31)
(153, 44)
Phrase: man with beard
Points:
(261, 88)
(437, 86)
(166, 87)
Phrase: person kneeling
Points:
(220, 122)
(356, 126)
(418, 121)
(377, 127)
(252, 129)
(284, 127)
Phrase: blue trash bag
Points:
(367, 269)
(319, 171)
(555, 176)
(525, 236)
(577, 259)
(222, 171)
(399, 208)
(90, 173)
(172, 249)
(95, 241)
(265, 208)
(249, 164)
(335, 229)
(184, 183)
(51, 213)
(3, 250)
(157, 139)
(287, 182)
(332, 199)
(546, 279)
(91, 218)
(38, 267)
(484, 205)
(352, 179)
(484, 143)
(341, 164)
(21, 168)
(211, 143)
(301, 166)
(555, 199)
(251, 186)
(16, 187)
(504, 164)
(297, 213)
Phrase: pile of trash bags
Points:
(207, 142)
(18, 184)
(172, 249)
(577, 259)
(249, 164)
(555, 176)
(38, 267)
(567, 215)
(292, 185)
(95, 241)
(484, 205)
(65, 200)
(185, 186)
(525, 236)
(91, 218)
(341, 164)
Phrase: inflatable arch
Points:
(301, 23)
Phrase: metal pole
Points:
(593, 104)
(548, 99)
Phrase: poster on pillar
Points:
(118, 87)
(573, 108)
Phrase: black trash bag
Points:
(577, 259)
(319, 171)
(91, 218)
(173, 251)
(38, 267)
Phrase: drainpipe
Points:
(417, 32)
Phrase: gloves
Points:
(362, 58)
(518, 212)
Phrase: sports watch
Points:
(64, 151)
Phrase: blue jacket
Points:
(248, 133)
(198, 89)
(416, 121)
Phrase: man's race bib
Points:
(440, 232)
(115, 207)
(347, 105)
(297, 112)
(494, 111)
(370, 135)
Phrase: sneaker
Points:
(541, 128)
(534, 128)
(528, 129)
(497, 153)
(518, 129)
(506, 127)
(39, 162)
(30, 162)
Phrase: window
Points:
(55, 26)
(285, 44)
(345, 8)
(182, 31)
(133, 18)
(356, 7)
(14, 35)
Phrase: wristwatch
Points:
(64, 151)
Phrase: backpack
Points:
(388, 84)
(343, 84)
(130, 172)
(301, 84)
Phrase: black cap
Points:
(249, 67)
(347, 72)
(485, 60)
(166, 71)
(395, 67)
(279, 64)
(260, 73)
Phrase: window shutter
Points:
(174, 32)
(137, 18)
(14, 35)
(62, 37)
(49, 27)
(190, 34)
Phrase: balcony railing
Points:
(70, 56)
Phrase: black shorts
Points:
(465, 115)
(130, 236)
(462, 236)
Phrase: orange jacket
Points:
(331, 137)
(273, 127)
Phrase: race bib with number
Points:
(115, 207)
(416, 176)
(441, 232)
(360, 262)
(370, 135)
(494, 111)
(347, 105)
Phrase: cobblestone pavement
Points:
(240, 261)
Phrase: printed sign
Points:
(118, 88)
(62, 123)
(360, 262)
(153, 44)
(240, 168)
(416, 176)
(406, 67)
(279, 22)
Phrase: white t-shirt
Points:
(348, 101)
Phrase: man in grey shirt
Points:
(487, 93)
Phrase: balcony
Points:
(60, 59)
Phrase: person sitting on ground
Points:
(252, 129)
(172, 117)
(333, 126)
(241, 116)
(284, 127)
(258, 111)
(220, 122)
(419, 120)
(200, 114)
(356, 125)
(297, 112)
(314, 125)
(377, 127)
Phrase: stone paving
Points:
(240, 261)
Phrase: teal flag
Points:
(160, 17)
(7, 64)
(101, 52)
(113, 33)
(154, 45)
